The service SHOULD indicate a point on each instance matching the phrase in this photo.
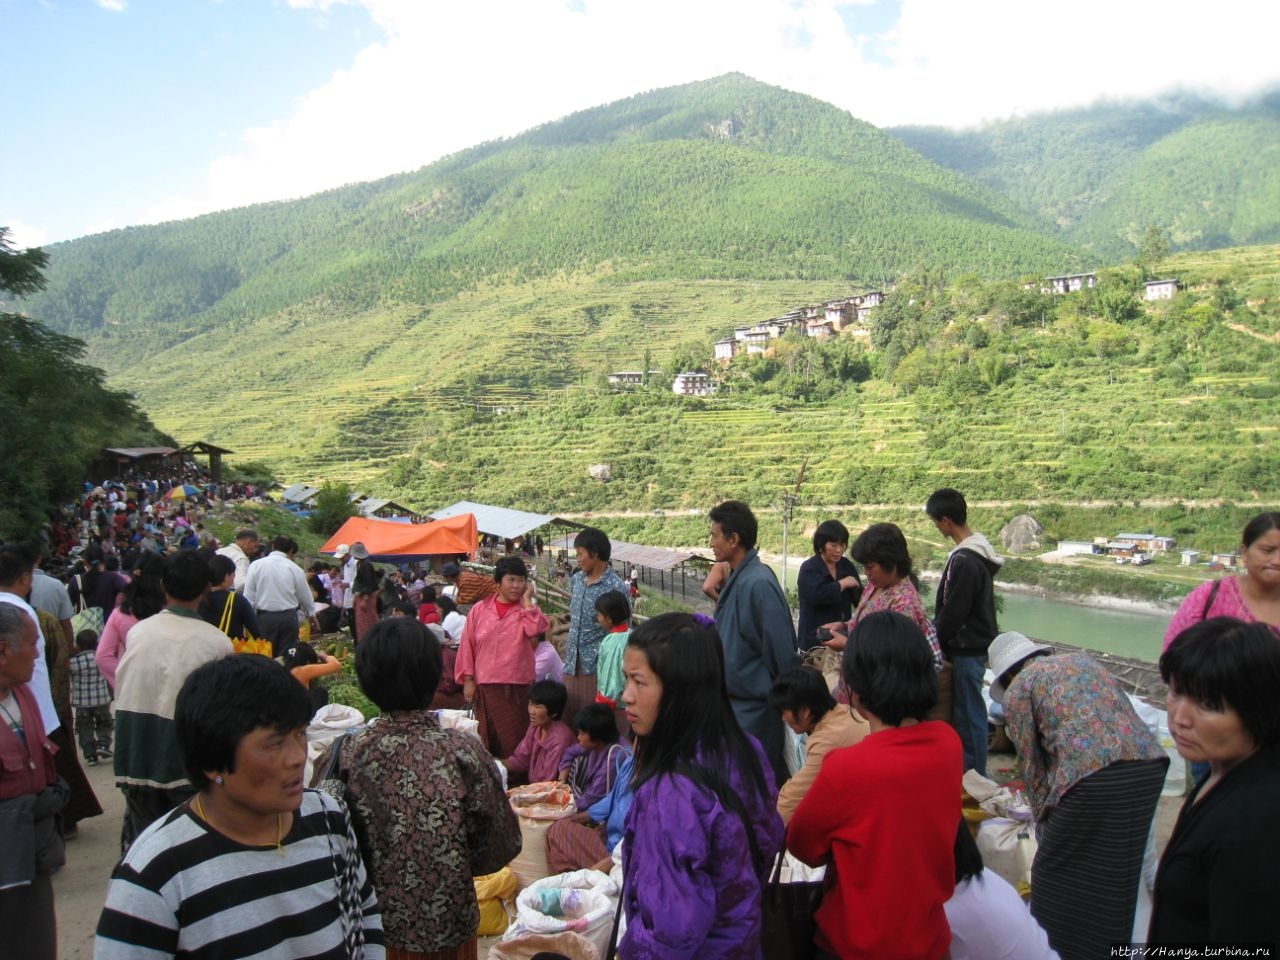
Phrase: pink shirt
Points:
(1227, 602)
(539, 756)
(499, 649)
(111, 644)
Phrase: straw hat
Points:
(1006, 652)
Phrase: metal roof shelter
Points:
(496, 521)
(214, 453)
(386, 509)
(656, 558)
(300, 493)
(112, 460)
(650, 560)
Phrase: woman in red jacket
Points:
(882, 813)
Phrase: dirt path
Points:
(81, 886)
(984, 504)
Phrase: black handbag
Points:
(787, 917)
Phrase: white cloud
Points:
(445, 76)
(115, 6)
(23, 235)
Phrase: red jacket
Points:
(883, 814)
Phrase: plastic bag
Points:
(537, 806)
(463, 720)
(1008, 847)
(496, 893)
(579, 902)
(330, 721)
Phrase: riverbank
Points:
(1153, 608)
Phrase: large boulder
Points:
(1021, 534)
(600, 471)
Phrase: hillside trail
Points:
(982, 504)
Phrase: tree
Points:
(1153, 250)
(333, 508)
(59, 413)
(21, 271)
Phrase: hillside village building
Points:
(1071, 283)
(1147, 542)
(693, 384)
(631, 378)
(1160, 289)
(820, 321)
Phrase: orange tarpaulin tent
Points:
(393, 542)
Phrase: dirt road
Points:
(81, 886)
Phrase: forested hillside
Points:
(1207, 173)
(728, 178)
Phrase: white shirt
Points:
(40, 678)
(276, 583)
(453, 623)
(349, 575)
(989, 921)
(240, 559)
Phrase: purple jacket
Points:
(691, 889)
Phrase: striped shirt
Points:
(186, 890)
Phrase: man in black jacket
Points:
(965, 617)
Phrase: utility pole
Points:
(788, 506)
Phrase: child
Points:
(305, 663)
(547, 664)
(537, 757)
(591, 765)
(453, 621)
(91, 698)
(428, 612)
(403, 608)
(613, 612)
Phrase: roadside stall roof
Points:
(496, 521)
(655, 558)
(389, 541)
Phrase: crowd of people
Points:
(675, 737)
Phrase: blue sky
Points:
(122, 112)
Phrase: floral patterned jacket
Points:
(1068, 718)
(430, 814)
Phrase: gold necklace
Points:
(279, 824)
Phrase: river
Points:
(1125, 633)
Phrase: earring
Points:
(218, 779)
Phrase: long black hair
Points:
(695, 734)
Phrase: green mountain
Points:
(727, 178)
(1206, 173)
(446, 332)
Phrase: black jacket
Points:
(965, 614)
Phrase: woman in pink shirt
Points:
(144, 597)
(495, 657)
(1252, 595)
(537, 758)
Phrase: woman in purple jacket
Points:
(702, 831)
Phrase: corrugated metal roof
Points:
(134, 453)
(496, 521)
(655, 558)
